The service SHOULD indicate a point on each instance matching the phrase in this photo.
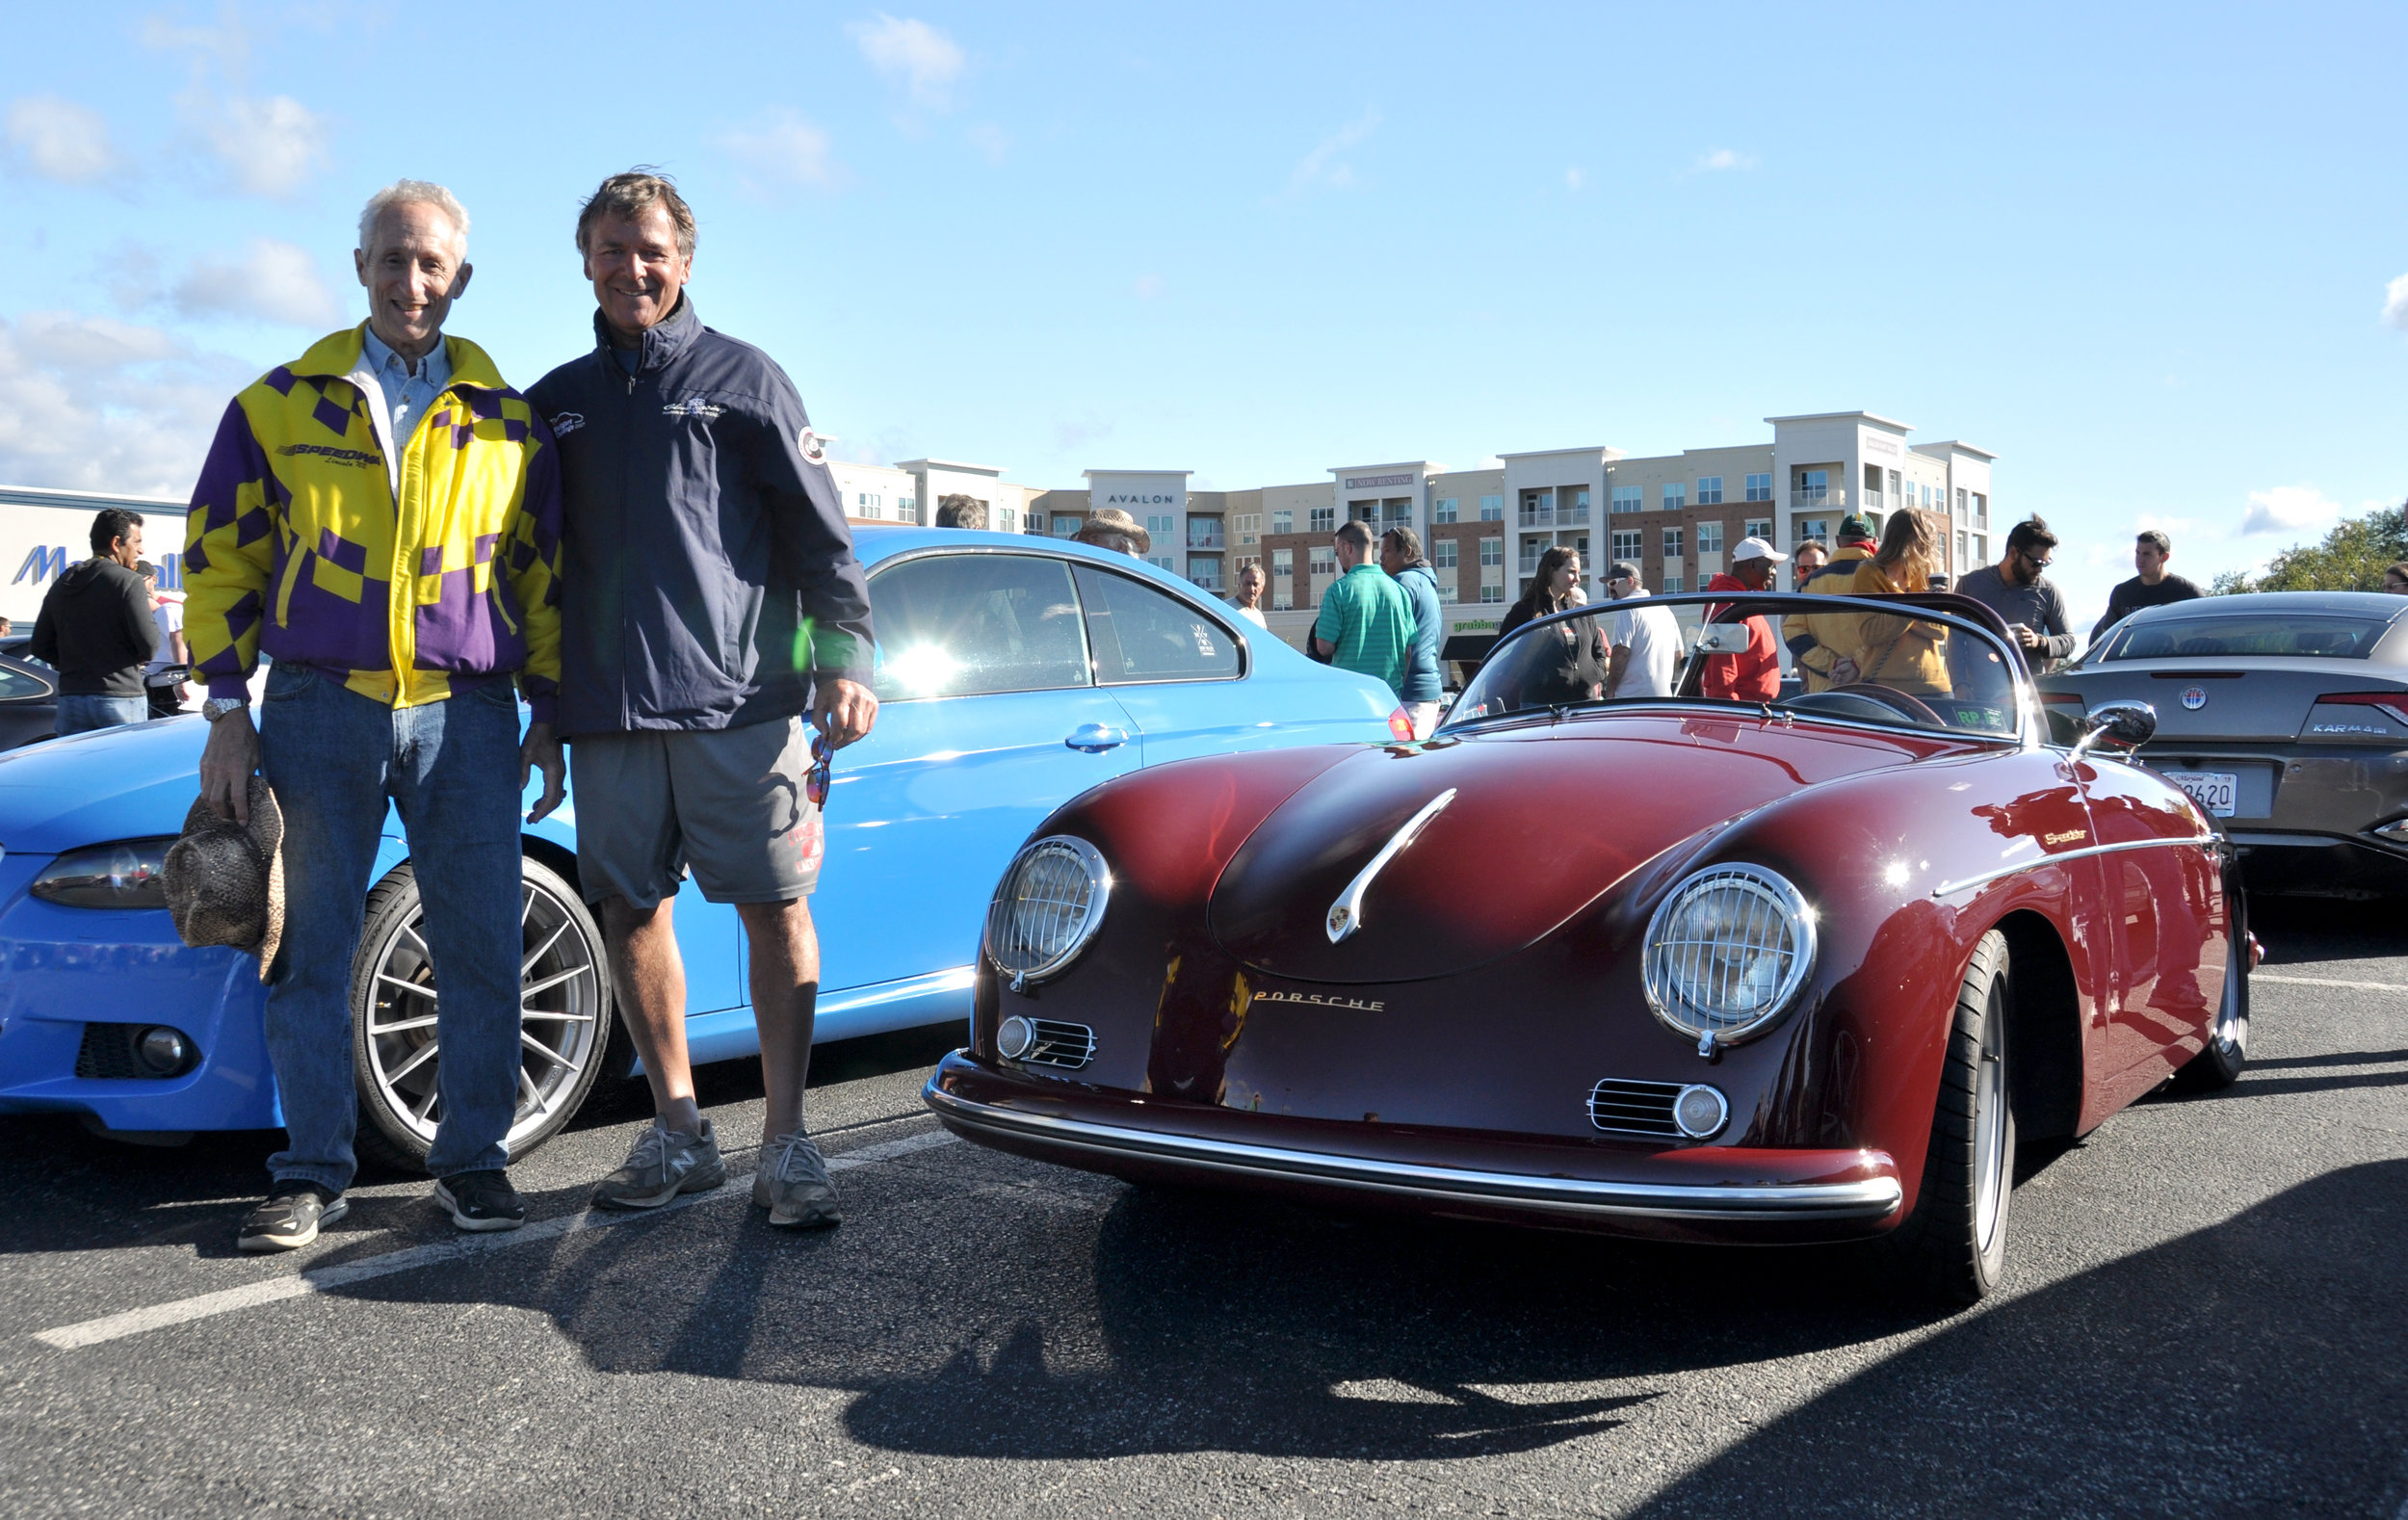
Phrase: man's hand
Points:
(226, 764)
(2026, 637)
(541, 749)
(845, 710)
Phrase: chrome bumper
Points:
(1872, 1199)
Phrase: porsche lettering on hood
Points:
(1534, 830)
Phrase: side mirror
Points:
(2127, 725)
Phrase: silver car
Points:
(2284, 715)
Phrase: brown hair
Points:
(1354, 531)
(1408, 544)
(631, 194)
(1538, 601)
(1908, 533)
(2156, 536)
(2031, 534)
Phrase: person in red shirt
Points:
(1752, 674)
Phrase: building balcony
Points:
(1203, 534)
(1538, 517)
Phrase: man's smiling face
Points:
(416, 266)
(636, 269)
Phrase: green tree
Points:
(2351, 559)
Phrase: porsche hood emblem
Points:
(1346, 916)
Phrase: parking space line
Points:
(326, 1279)
(2327, 982)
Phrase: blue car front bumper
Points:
(65, 968)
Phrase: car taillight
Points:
(1400, 725)
(2395, 703)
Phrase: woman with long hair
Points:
(1550, 588)
(1569, 666)
(1906, 654)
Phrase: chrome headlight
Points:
(1048, 905)
(1727, 952)
(126, 874)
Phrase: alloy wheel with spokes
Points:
(564, 1015)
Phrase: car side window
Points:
(963, 624)
(18, 686)
(1140, 633)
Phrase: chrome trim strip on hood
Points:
(1950, 888)
(1874, 1198)
(1346, 916)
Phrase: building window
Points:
(1626, 498)
(1710, 491)
(1491, 552)
(1812, 489)
(1982, 511)
(1325, 519)
(1675, 495)
(1982, 549)
(1363, 511)
(1960, 546)
(1441, 554)
(1710, 538)
(1204, 569)
(1283, 561)
(1442, 510)
(1066, 526)
(1673, 584)
(1758, 528)
(1492, 509)
(1960, 501)
(1036, 522)
(1325, 560)
(1625, 544)
(1397, 512)
(1672, 537)
(1007, 520)
(1283, 520)
(1814, 528)
(1530, 548)
(1446, 593)
(1760, 487)
(1203, 533)
(1492, 593)
(1248, 527)
(1579, 509)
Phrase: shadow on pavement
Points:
(2258, 1367)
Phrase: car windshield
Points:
(1855, 661)
(2223, 635)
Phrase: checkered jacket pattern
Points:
(296, 544)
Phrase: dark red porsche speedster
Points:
(1785, 970)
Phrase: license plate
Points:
(2212, 790)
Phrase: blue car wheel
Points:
(564, 1028)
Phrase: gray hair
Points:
(407, 192)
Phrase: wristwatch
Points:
(218, 707)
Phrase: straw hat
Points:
(1111, 519)
(225, 881)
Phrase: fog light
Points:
(1015, 1037)
(161, 1049)
(1700, 1112)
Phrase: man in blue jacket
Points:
(710, 599)
(1400, 556)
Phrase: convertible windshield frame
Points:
(1958, 614)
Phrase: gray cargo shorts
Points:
(728, 803)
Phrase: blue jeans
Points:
(79, 715)
(451, 769)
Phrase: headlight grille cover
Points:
(1727, 951)
(1049, 905)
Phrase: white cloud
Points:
(91, 404)
(1575, 177)
(60, 139)
(270, 280)
(2396, 304)
(990, 141)
(912, 53)
(2289, 509)
(1723, 158)
(270, 146)
(781, 149)
(1324, 165)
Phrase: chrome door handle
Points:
(1096, 738)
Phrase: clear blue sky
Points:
(2144, 254)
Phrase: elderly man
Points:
(382, 518)
(1752, 673)
(1249, 596)
(712, 601)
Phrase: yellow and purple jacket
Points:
(297, 545)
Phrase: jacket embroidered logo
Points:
(814, 447)
(566, 423)
(690, 407)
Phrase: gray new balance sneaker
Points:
(793, 1183)
(664, 1164)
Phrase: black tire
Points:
(2219, 1064)
(1954, 1248)
(567, 1014)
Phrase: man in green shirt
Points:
(1366, 621)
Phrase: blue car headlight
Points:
(127, 874)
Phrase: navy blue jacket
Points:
(707, 575)
(1430, 628)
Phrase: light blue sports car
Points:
(1015, 672)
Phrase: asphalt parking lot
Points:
(2205, 1314)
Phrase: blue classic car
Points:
(1015, 672)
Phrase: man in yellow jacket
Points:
(380, 519)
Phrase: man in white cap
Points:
(1751, 675)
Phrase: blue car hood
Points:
(132, 782)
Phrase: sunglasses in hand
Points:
(823, 761)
